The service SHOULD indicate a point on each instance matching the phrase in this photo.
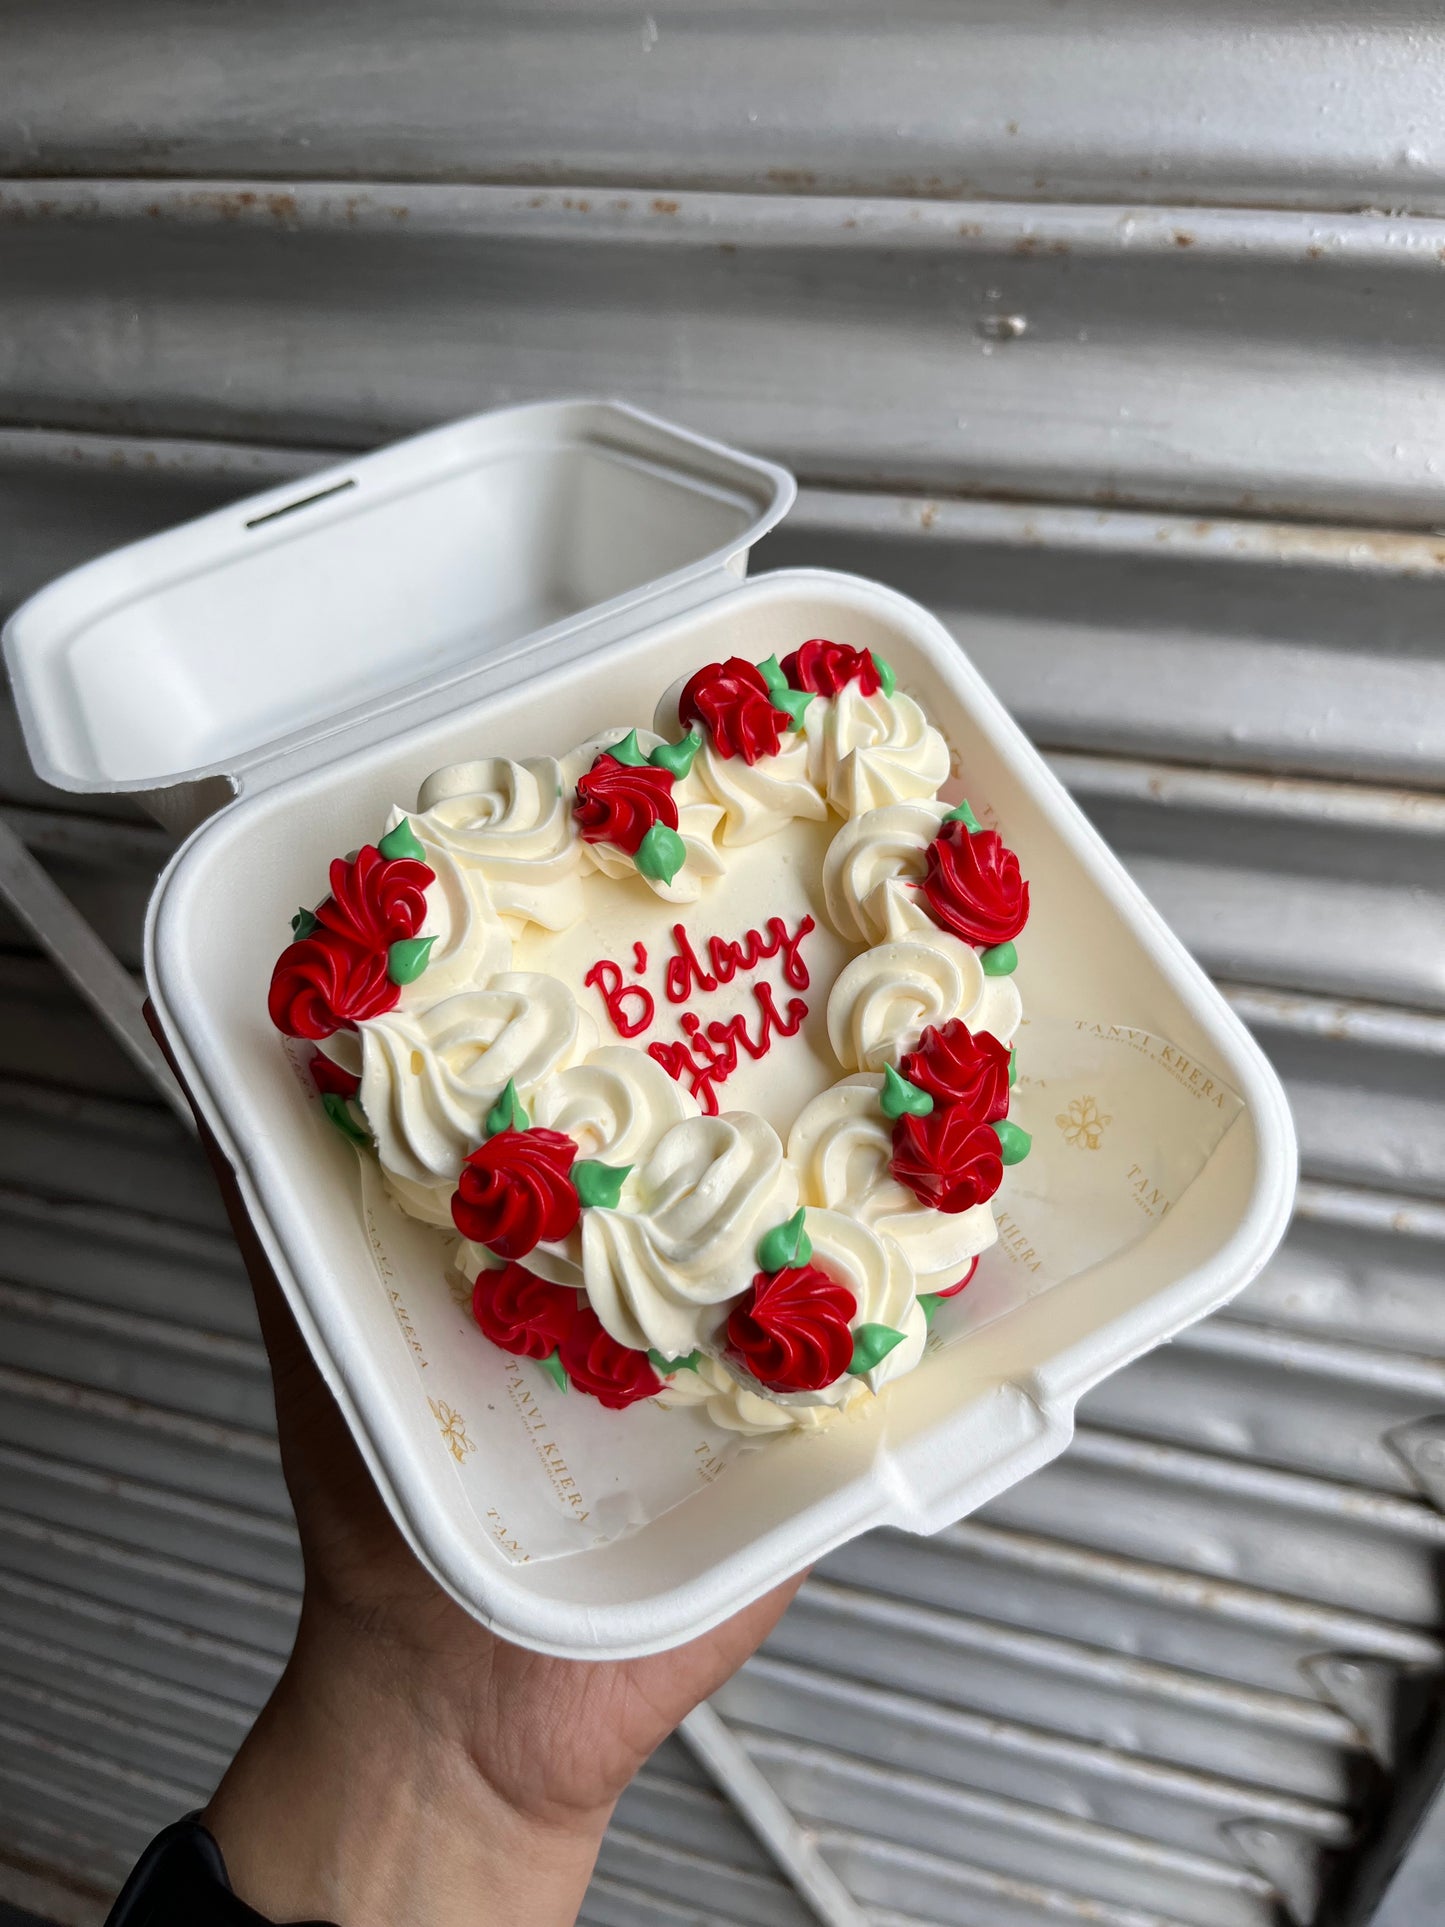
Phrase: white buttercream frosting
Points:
(615, 1105)
(998, 1008)
(880, 1278)
(841, 1147)
(868, 751)
(731, 1405)
(871, 852)
(759, 799)
(881, 1003)
(684, 1240)
(513, 820)
(429, 1077)
(472, 943)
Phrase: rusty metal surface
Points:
(1297, 106)
(860, 340)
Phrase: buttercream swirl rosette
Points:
(616, 1226)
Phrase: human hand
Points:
(410, 1765)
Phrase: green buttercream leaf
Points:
(872, 1344)
(963, 814)
(676, 758)
(665, 1367)
(599, 1183)
(507, 1113)
(660, 854)
(1013, 1068)
(786, 1244)
(930, 1301)
(406, 959)
(552, 1366)
(1001, 961)
(402, 841)
(629, 751)
(792, 702)
(1013, 1142)
(887, 679)
(303, 923)
(339, 1111)
(899, 1096)
(772, 674)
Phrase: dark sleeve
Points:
(181, 1881)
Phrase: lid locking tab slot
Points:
(304, 502)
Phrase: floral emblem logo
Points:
(1084, 1124)
(453, 1429)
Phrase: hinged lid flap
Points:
(287, 616)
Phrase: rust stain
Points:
(1201, 528)
(235, 204)
(792, 177)
(661, 206)
(537, 200)
(928, 515)
(1026, 244)
(1314, 253)
(850, 222)
(1058, 247)
(1183, 238)
(970, 228)
(1012, 127)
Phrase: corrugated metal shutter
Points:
(1170, 473)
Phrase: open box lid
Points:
(174, 666)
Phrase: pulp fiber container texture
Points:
(507, 586)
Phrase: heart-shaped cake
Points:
(698, 1039)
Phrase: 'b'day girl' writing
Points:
(710, 1053)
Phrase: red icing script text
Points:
(711, 1052)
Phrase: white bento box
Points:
(280, 672)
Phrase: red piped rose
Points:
(973, 886)
(376, 900)
(956, 1066)
(792, 1330)
(826, 667)
(620, 802)
(514, 1192)
(323, 984)
(731, 701)
(613, 1374)
(331, 1079)
(523, 1313)
(947, 1159)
